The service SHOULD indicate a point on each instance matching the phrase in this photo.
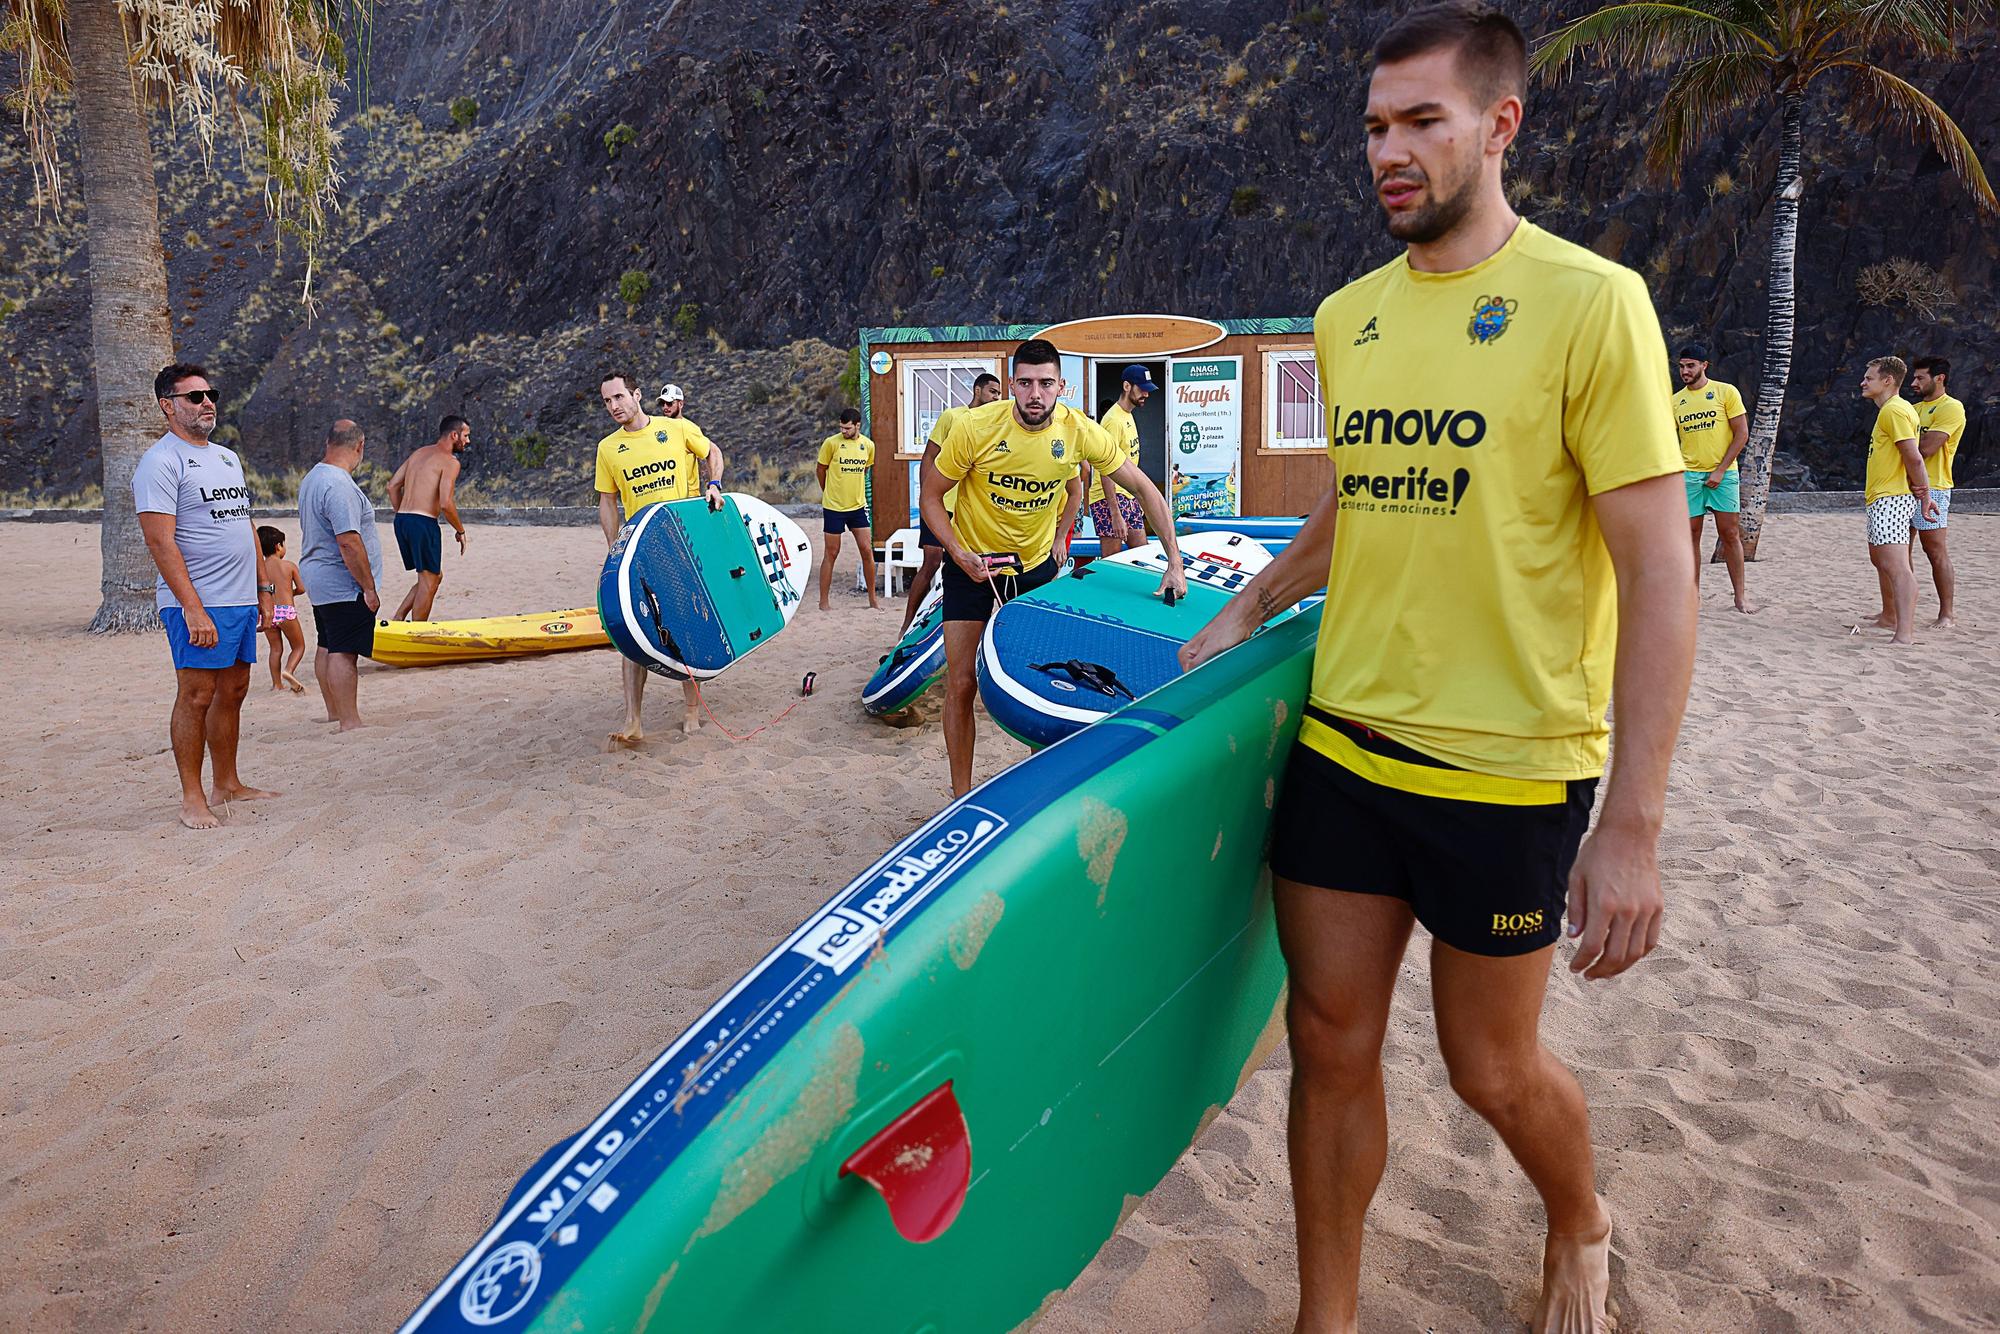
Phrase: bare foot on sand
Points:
(1944, 623)
(218, 796)
(296, 686)
(1576, 1280)
(1746, 606)
(690, 723)
(354, 726)
(1882, 622)
(195, 814)
(625, 738)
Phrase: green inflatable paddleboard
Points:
(926, 1110)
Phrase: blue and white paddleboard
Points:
(1261, 527)
(1059, 658)
(686, 591)
(914, 664)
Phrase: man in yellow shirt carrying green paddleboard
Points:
(1504, 547)
(645, 461)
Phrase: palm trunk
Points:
(1777, 368)
(130, 334)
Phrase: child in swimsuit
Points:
(280, 578)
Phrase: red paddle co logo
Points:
(557, 627)
(894, 887)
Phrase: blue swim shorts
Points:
(235, 638)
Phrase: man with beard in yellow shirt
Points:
(1015, 465)
(1943, 420)
(1504, 549)
(1713, 428)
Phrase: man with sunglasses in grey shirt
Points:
(194, 509)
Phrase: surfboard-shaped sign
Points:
(1136, 336)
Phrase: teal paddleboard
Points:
(914, 664)
(926, 1110)
(687, 590)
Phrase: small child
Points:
(280, 578)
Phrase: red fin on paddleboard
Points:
(921, 1163)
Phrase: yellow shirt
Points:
(939, 430)
(1702, 417)
(1471, 609)
(1947, 414)
(1895, 420)
(1124, 432)
(847, 464)
(1014, 481)
(654, 463)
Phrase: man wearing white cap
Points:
(673, 404)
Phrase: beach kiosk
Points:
(1237, 426)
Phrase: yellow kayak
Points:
(429, 643)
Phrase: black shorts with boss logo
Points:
(1480, 876)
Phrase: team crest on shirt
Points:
(1490, 318)
(1055, 449)
(660, 436)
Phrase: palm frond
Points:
(1927, 26)
(33, 31)
(200, 58)
(1703, 92)
(1643, 34)
(1883, 96)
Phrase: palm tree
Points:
(116, 58)
(1729, 54)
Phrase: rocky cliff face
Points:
(784, 171)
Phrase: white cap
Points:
(672, 394)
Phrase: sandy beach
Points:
(280, 1075)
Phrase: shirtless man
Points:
(421, 490)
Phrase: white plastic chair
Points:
(902, 551)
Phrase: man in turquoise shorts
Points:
(1713, 429)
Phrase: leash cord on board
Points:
(703, 699)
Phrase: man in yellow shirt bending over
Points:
(1713, 428)
(844, 461)
(1943, 420)
(1504, 550)
(1015, 465)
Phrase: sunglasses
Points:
(199, 396)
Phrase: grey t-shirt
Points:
(202, 487)
(330, 503)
